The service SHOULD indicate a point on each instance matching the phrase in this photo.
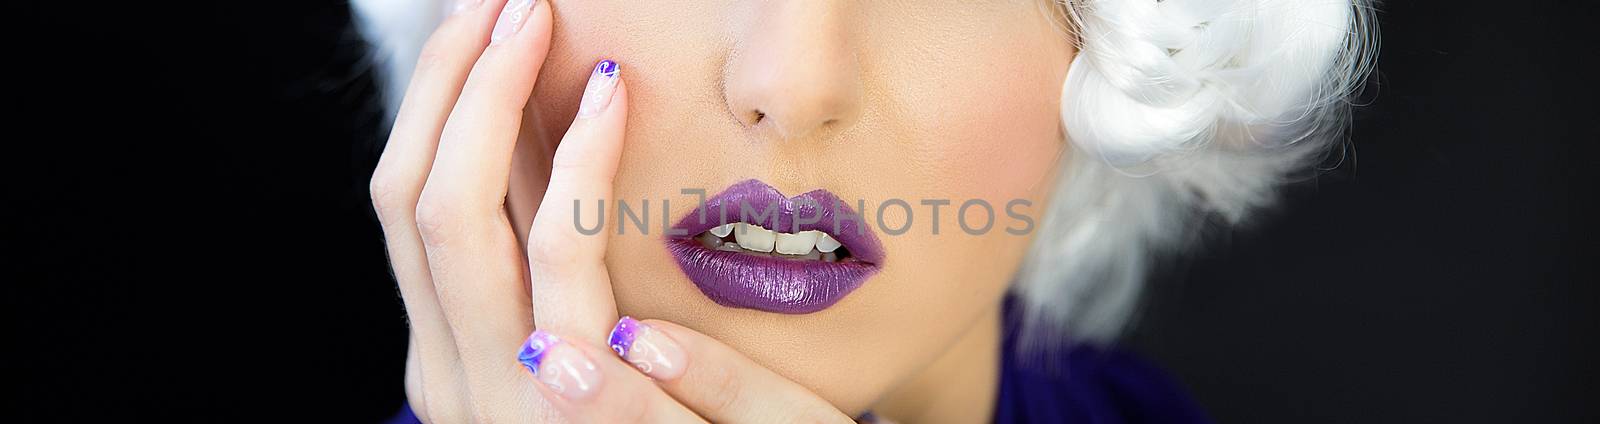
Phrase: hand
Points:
(441, 192)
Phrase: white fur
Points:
(1178, 109)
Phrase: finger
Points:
(572, 292)
(712, 379)
(589, 386)
(397, 183)
(476, 263)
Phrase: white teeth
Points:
(797, 244)
(755, 238)
(809, 244)
(827, 244)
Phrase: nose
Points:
(793, 73)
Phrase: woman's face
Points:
(921, 101)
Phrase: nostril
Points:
(759, 117)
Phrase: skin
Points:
(871, 100)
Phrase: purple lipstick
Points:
(752, 247)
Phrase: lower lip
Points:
(772, 284)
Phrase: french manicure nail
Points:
(602, 83)
(649, 350)
(512, 19)
(559, 366)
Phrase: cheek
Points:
(995, 135)
(1003, 146)
(972, 122)
(983, 127)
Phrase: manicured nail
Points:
(647, 349)
(602, 83)
(559, 366)
(465, 5)
(512, 19)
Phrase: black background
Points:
(187, 234)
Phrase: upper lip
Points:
(788, 214)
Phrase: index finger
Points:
(571, 288)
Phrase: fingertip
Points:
(603, 91)
(562, 368)
(516, 16)
(596, 135)
(650, 350)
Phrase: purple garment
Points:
(1079, 384)
(1089, 384)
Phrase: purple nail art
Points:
(623, 334)
(647, 349)
(597, 94)
(533, 350)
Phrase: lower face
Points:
(928, 101)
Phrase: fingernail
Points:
(602, 83)
(649, 350)
(512, 19)
(559, 366)
(464, 5)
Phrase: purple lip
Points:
(774, 284)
